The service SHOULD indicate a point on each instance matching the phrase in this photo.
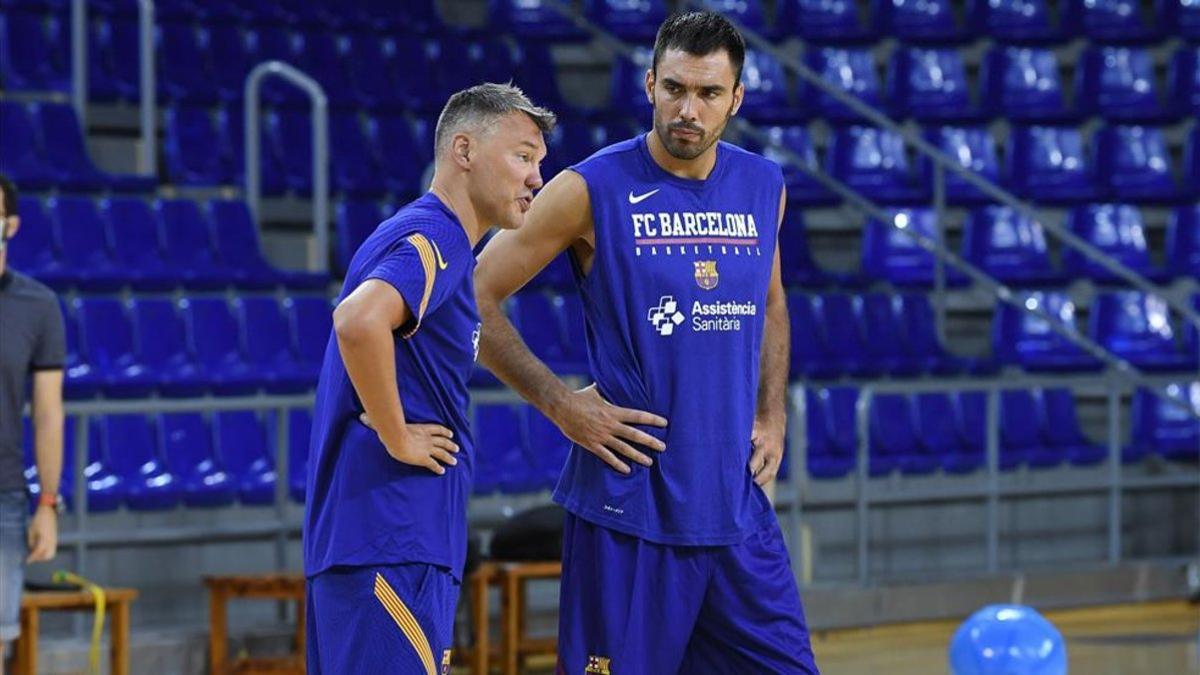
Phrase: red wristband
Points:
(48, 500)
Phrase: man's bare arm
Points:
(364, 323)
(560, 217)
(48, 451)
(770, 419)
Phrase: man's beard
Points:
(692, 150)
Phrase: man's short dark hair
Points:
(701, 34)
(10, 195)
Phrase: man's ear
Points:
(14, 224)
(650, 85)
(462, 148)
(739, 93)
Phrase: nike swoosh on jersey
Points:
(441, 262)
(635, 199)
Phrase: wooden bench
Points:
(116, 608)
(221, 590)
(515, 645)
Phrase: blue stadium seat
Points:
(268, 42)
(354, 170)
(1111, 20)
(939, 429)
(84, 250)
(919, 21)
(630, 20)
(501, 462)
(1012, 21)
(892, 433)
(628, 88)
(216, 343)
(1009, 246)
(62, 139)
(547, 449)
(832, 434)
(163, 347)
(109, 346)
(541, 319)
(189, 248)
(231, 125)
(80, 380)
(311, 322)
(748, 13)
(1183, 242)
(930, 84)
(1183, 79)
(795, 257)
(1136, 165)
(1023, 84)
(102, 82)
(1026, 340)
(269, 345)
(137, 244)
(823, 21)
(1185, 16)
(375, 82)
(32, 54)
(236, 59)
(1061, 429)
(533, 20)
(852, 70)
(322, 55)
(242, 448)
(187, 443)
(1118, 83)
(416, 75)
(1137, 327)
(290, 133)
(299, 423)
(1118, 231)
(766, 99)
(890, 254)
(920, 334)
(845, 343)
(885, 342)
(119, 40)
(1048, 164)
(21, 154)
(873, 161)
(1191, 162)
(402, 159)
(533, 60)
(133, 454)
(185, 68)
(809, 355)
(192, 148)
(355, 221)
(239, 249)
(1161, 427)
(1021, 432)
(802, 189)
(34, 251)
(106, 489)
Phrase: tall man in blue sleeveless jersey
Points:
(391, 458)
(673, 560)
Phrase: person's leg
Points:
(13, 549)
(752, 620)
(625, 605)
(386, 619)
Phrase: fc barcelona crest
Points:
(706, 274)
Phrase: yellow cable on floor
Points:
(64, 577)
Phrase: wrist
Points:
(48, 501)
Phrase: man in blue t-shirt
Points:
(392, 458)
(673, 560)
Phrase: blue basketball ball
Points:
(1007, 640)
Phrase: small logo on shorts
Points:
(706, 274)
(446, 662)
(598, 665)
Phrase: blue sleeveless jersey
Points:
(364, 507)
(674, 309)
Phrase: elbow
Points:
(348, 323)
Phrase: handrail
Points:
(148, 92)
(79, 71)
(318, 258)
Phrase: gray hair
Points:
(478, 108)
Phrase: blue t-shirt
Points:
(674, 310)
(364, 507)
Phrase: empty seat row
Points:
(869, 335)
(1129, 324)
(1005, 244)
(927, 20)
(1044, 164)
(106, 244)
(195, 345)
(517, 449)
(158, 462)
(1019, 83)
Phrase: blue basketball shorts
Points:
(629, 606)
(381, 619)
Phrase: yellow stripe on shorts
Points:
(406, 621)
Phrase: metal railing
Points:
(147, 93)
(318, 258)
